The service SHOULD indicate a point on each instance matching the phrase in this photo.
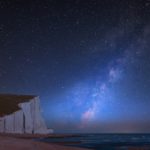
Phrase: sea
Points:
(103, 141)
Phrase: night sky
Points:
(88, 60)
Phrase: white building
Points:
(21, 114)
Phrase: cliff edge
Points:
(21, 114)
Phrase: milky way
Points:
(94, 101)
(89, 61)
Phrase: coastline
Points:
(20, 143)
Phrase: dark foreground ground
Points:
(75, 142)
(28, 143)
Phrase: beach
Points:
(17, 143)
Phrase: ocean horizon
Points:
(103, 141)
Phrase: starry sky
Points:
(89, 61)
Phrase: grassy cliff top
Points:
(9, 102)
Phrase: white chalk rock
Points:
(39, 124)
(27, 119)
(26, 108)
(19, 122)
(9, 123)
(1, 125)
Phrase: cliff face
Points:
(27, 119)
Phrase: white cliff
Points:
(2, 126)
(18, 122)
(27, 119)
(9, 123)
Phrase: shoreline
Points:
(8, 142)
(34, 136)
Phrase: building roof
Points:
(9, 102)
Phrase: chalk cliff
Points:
(23, 115)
